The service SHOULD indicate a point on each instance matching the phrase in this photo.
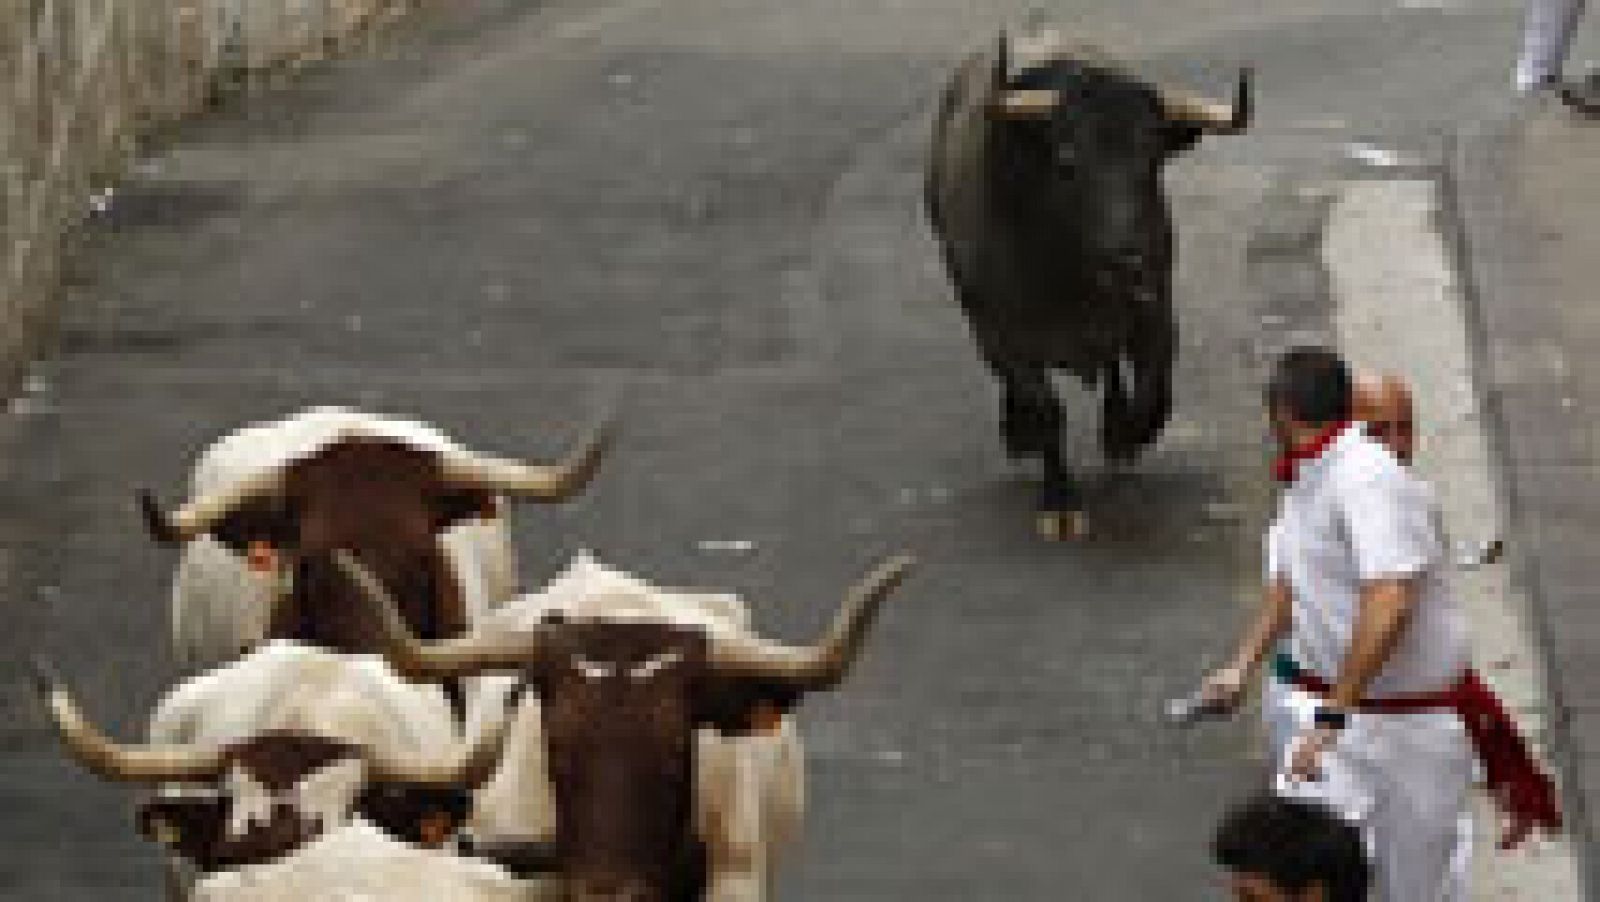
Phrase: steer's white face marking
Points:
(325, 797)
(592, 670)
(595, 670)
(654, 665)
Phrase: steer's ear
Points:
(743, 707)
(454, 505)
(267, 522)
(190, 827)
(426, 815)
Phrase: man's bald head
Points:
(1383, 402)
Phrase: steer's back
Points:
(360, 863)
(285, 686)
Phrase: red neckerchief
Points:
(1519, 786)
(1287, 467)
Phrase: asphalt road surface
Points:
(503, 213)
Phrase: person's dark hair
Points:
(1312, 386)
(1296, 845)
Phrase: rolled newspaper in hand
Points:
(1196, 707)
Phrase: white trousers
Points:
(1278, 714)
(1405, 780)
(1547, 36)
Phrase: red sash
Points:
(1523, 791)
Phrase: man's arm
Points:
(1268, 627)
(1386, 606)
(1226, 684)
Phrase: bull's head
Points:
(261, 798)
(621, 704)
(384, 500)
(1086, 139)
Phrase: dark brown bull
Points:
(384, 500)
(621, 703)
(1044, 191)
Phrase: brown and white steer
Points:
(281, 747)
(271, 500)
(659, 751)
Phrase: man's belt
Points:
(1287, 670)
(1522, 790)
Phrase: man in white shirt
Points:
(1382, 403)
(1355, 587)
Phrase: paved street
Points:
(506, 212)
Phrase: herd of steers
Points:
(377, 713)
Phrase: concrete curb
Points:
(1490, 240)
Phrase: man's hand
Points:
(1224, 687)
(1305, 763)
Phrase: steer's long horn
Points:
(200, 514)
(113, 760)
(546, 482)
(824, 665)
(1213, 115)
(456, 657)
(468, 766)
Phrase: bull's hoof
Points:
(1062, 526)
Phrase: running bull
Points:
(1044, 191)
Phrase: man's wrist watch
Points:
(1330, 718)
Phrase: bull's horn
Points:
(456, 657)
(824, 665)
(113, 760)
(469, 766)
(1023, 103)
(1213, 115)
(200, 514)
(554, 482)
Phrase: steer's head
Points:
(385, 501)
(1087, 139)
(261, 798)
(621, 703)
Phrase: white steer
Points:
(256, 758)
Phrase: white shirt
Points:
(1355, 514)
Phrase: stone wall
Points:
(81, 81)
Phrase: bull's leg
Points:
(1033, 422)
(1117, 436)
(1030, 415)
(1152, 356)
